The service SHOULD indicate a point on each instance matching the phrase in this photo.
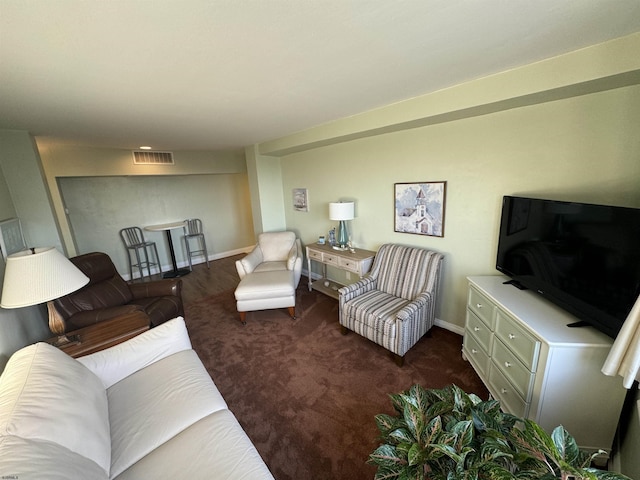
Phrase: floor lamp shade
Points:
(37, 276)
(341, 211)
(40, 275)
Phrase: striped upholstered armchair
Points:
(394, 305)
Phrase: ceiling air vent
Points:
(142, 157)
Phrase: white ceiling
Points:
(219, 74)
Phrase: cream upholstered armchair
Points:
(269, 274)
(394, 305)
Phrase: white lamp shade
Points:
(31, 278)
(341, 211)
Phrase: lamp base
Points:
(64, 340)
(342, 248)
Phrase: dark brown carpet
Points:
(307, 395)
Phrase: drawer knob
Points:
(476, 329)
(474, 351)
(507, 364)
(511, 336)
(478, 305)
(503, 390)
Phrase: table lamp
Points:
(41, 275)
(341, 211)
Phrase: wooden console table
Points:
(358, 262)
(105, 334)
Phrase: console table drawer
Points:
(512, 368)
(481, 306)
(314, 255)
(505, 392)
(330, 259)
(348, 264)
(516, 338)
(480, 331)
(475, 353)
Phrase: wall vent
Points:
(143, 157)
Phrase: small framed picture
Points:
(300, 200)
(419, 208)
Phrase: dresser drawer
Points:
(480, 331)
(482, 307)
(476, 354)
(348, 264)
(508, 396)
(512, 368)
(518, 340)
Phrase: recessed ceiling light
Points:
(145, 147)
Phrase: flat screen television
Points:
(585, 258)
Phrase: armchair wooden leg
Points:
(243, 317)
(397, 358)
(292, 312)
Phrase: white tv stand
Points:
(537, 367)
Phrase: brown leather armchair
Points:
(107, 295)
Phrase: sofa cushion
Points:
(215, 447)
(115, 363)
(26, 459)
(153, 405)
(47, 395)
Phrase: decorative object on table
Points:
(11, 238)
(332, 236)
(341, 211)
(300, 200)
(321, 240)
(419, 208)
(40, 275)
(447, 433)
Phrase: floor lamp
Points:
(40, 275)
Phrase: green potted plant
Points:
(447, 434)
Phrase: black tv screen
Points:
(583, 257)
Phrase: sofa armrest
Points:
(115, 363)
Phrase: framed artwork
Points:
(11, 239)
(300, 200)
(419, 208)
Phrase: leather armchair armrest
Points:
(90, 317)
(158, 288)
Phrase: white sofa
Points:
(144, 409)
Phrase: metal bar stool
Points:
(193, 229)
(134, 242)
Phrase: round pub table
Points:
(167, 227)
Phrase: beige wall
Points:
(98, 191)
(583, 149)
(22, 194)
(565, 128)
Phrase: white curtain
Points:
(624, 357)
